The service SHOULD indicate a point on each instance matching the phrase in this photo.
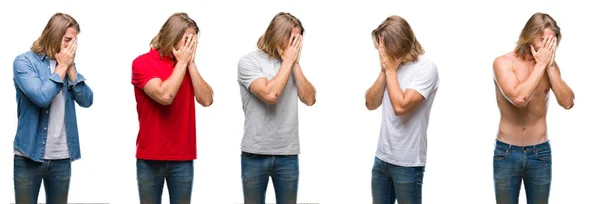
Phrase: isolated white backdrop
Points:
(338, 134)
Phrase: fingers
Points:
(295, 42)
(290, 42)
(174, 51)
(74, 46)
(192, 43)
(187, 42)
(533, 52)
(553, 50)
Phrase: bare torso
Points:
(523, 126)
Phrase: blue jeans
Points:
(151, 176)
(530, 164)
(390, 182)
(283, 170)
(28, 176)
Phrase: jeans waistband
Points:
(509, 147)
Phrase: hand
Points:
(545, 55)
(194, 49)
(388, 63)
(185, 52)
(292, 52)
(66, 56)
(300, 48)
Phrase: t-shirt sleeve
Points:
(142, 72)
(425, 80)
(248, 71)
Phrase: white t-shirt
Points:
(403, 139)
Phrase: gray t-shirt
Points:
(270, 129)
(403, 139)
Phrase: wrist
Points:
(390, 71)
(286, 63)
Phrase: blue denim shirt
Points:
(36, 86)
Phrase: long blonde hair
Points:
(533, 28)
(171, 33)
(51, 39)
(398, 39)
(278, 33)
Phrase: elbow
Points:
(42, 103)
(371, 106)
(271, 98)
(310, 102)
(204, 103)
(399, 111)
(165, 100)
(87, 103)
(519, 101)
(567, 105)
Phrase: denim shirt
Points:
(36, 86)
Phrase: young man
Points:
(166, 81)
(523, 79)
(271, 82)
(47, 85)
(406, 87)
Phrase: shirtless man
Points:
(523, 79)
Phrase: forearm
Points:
(82, 93)
(563, 92)
(72, 74)
(62, 70)
(276, 85)
(374, 94)
(526, 88)
(306, 91)
(170, 87)
(397, 96)
(202, 91)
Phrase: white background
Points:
(338, 134)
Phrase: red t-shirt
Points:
(167, 132)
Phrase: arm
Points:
(270, 90)
(164, 92)
(160, 91)
(515, 91)
(250, 74)
(82, 93)
(306, 91)
(519, 92)
(374, 94)
(202, 91)
(38, 91)
(404, 102)
(563, 93)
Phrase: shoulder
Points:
(425, 65)
(254, 58)
(141, 60)
(26, 55)
(504, 61)
(25, 59)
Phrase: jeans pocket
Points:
(500, 154)
(544, 155)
